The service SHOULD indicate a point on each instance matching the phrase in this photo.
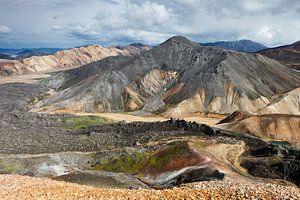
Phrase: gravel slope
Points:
(20, 187)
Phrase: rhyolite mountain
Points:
(177, 77)
(239, 45)
(270, 126)
(64, 59)
(287, 54)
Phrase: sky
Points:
(69, 23)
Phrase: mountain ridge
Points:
(286, 54)
(183, 77)
(239, 45)
(69, 58)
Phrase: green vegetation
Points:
(76, 122)
(7, 167)
(146, 162)
(199, 146)
(130, 163)
(161, 158)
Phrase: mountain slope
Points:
(288, 54)
(288, 103)
(177, 78)
(70, 58)
(240, 45)
(269, 126)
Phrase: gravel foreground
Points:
(21, 187)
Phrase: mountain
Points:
(288, 54)
(11, 52)
(240, 45)
(287, 103)
(36, 52)
(69, 58)
(27, 52)
(269, 126)
(176, 78)
(4, 56)
(133, 49)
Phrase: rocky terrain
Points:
(175, 78)
(240, 45)
(126, 155)
(17, 187)
(64, 59)
(288, 54)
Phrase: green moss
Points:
(146, 162)
(159, 159)
(77, 122)
(199, 146)
(130, 163)
(7, 167)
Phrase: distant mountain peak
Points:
(180, 40)
(137, 44)
(243, 45)
(286, 54)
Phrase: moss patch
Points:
(199, 146)
(76, 122)
(173, 156)
(129, 163)
(7, 167)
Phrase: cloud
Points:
(148, 14)
(56, 27)
(4, 29)
(75, 22)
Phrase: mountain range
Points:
(287, 54)
(239, 45)
(27, 52)
(64, 59)
(175, 78)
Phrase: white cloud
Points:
(57, 27)
(149, 14)
(253, 5)
(266, 33)
(4, 29)
(148, 36)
